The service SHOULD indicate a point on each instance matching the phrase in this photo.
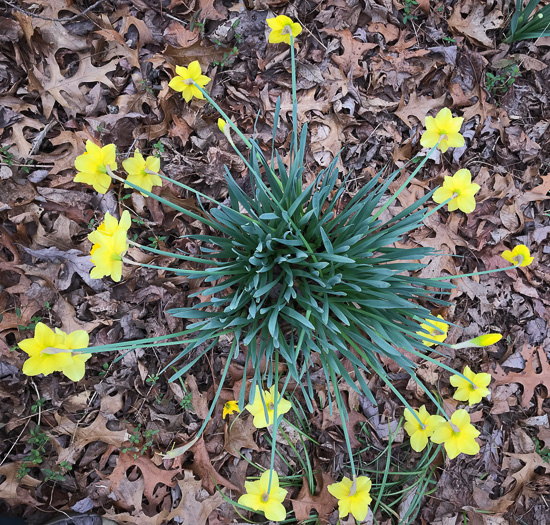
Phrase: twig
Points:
(10, 164)
(15, 443)
(24, 11)
(37, 142)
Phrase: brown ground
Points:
(366, 79)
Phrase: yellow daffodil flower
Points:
(352, 496)
(444, 128)
(281, 28)
(186, 79)
(221, 124)
(108, 228)
(458, 435)
(520, 255)
(230, 407)
(92, 166)
(142, 172)
(258, 411)
(420, 432)
(480, 341)
(259, 499)
(50, 352)
(460, 189)
(107, 258)
(437, 332)
(465, 391)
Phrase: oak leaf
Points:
(418, 107)
(82, 436)
(323, 501)
(476, 24)
(152, 475)
(52, 86)
(528, 378)
(12, 490)
(353, 51)
(239, 434)
(203, 469)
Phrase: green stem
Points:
(170, 254)
(180, 270)
(218, 392)
(294, 96)
(247, 142)
(344, 419)
(275, 418)
(449, 277)
(199, 194)
(438, 207)
(164, 201)
(404, 185)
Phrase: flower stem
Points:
(448, 277)
(170, 254)
(294, 96)
(404, 185)
(278, 397)
(161, 199)
(439, 206)
(344, 417)
(224, 115)
(182, 271)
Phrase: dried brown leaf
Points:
(528, 378)
(53, 86)
(323, 501)
(12, 490)
(353, 51)
(476, 24)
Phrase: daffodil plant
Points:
(295, 272)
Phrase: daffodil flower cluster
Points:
(458, 191)
(97, 164)
(458, 434)
(264, 495)
(109, 244)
